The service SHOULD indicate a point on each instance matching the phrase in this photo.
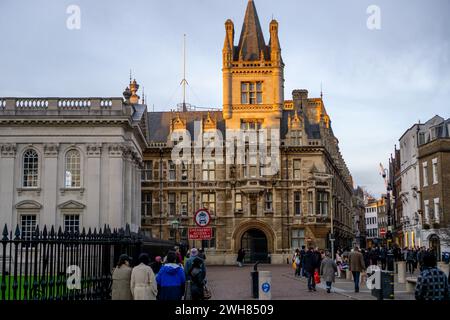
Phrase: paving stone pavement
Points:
(234, 283)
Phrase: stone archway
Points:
(254, 242)
(253, 228)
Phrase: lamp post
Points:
(175, 226)
(160, 191)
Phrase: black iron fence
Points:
(56, 265)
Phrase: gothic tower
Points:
(253, 80)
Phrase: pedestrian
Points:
(302, 261)
(383, 257)
(197, 276)
(311, 265)
(328, 268)
(121, 278)
(432, 283)
(296, 260)
(339, 263)
(179, 258)
(240, 257)
(356, 265)
(410, 260)
(156, 265)
(171, 279)
(143, 284)
(373, 256)
(188, 265)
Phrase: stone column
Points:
(444, 267)
(7, 184)
(92, 181)
(116, 217)
(49, 185)
(127, 185)
(401, 266)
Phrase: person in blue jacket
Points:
(171, 279)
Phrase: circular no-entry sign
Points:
(202, 218)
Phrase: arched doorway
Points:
(435, 245)
(254, 242)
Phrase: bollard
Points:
(401, 266)
(265, 285)
(255, 281)
(444, 267)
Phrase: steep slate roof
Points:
(251, 41)
(159, 123)
(312, 129)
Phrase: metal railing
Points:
(57, 265)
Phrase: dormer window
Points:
(251, 92)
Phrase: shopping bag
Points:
(316, 277)
(206, 293)
(294, 265)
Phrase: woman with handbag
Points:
(197, 276)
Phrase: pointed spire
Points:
(251, 41)
(17, 233)
(321, 92)
(143, 95)
(5, 233)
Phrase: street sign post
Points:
(203, 233)
(202, 218)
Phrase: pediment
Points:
(71, 204)
(28, 204)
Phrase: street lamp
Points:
(175, 226)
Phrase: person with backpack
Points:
(197, 277)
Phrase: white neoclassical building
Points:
(410, 185)
(71, 162)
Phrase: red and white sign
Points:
(203, 233)
(202, 218)
(382, 232)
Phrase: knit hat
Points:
(194, 252)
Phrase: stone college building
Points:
(273, 182)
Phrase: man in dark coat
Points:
(311, 264)
(302, 261)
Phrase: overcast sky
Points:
(376, 83)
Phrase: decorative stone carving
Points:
(8, 150)
(116, 149)
(94, 150)
(51, 149)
